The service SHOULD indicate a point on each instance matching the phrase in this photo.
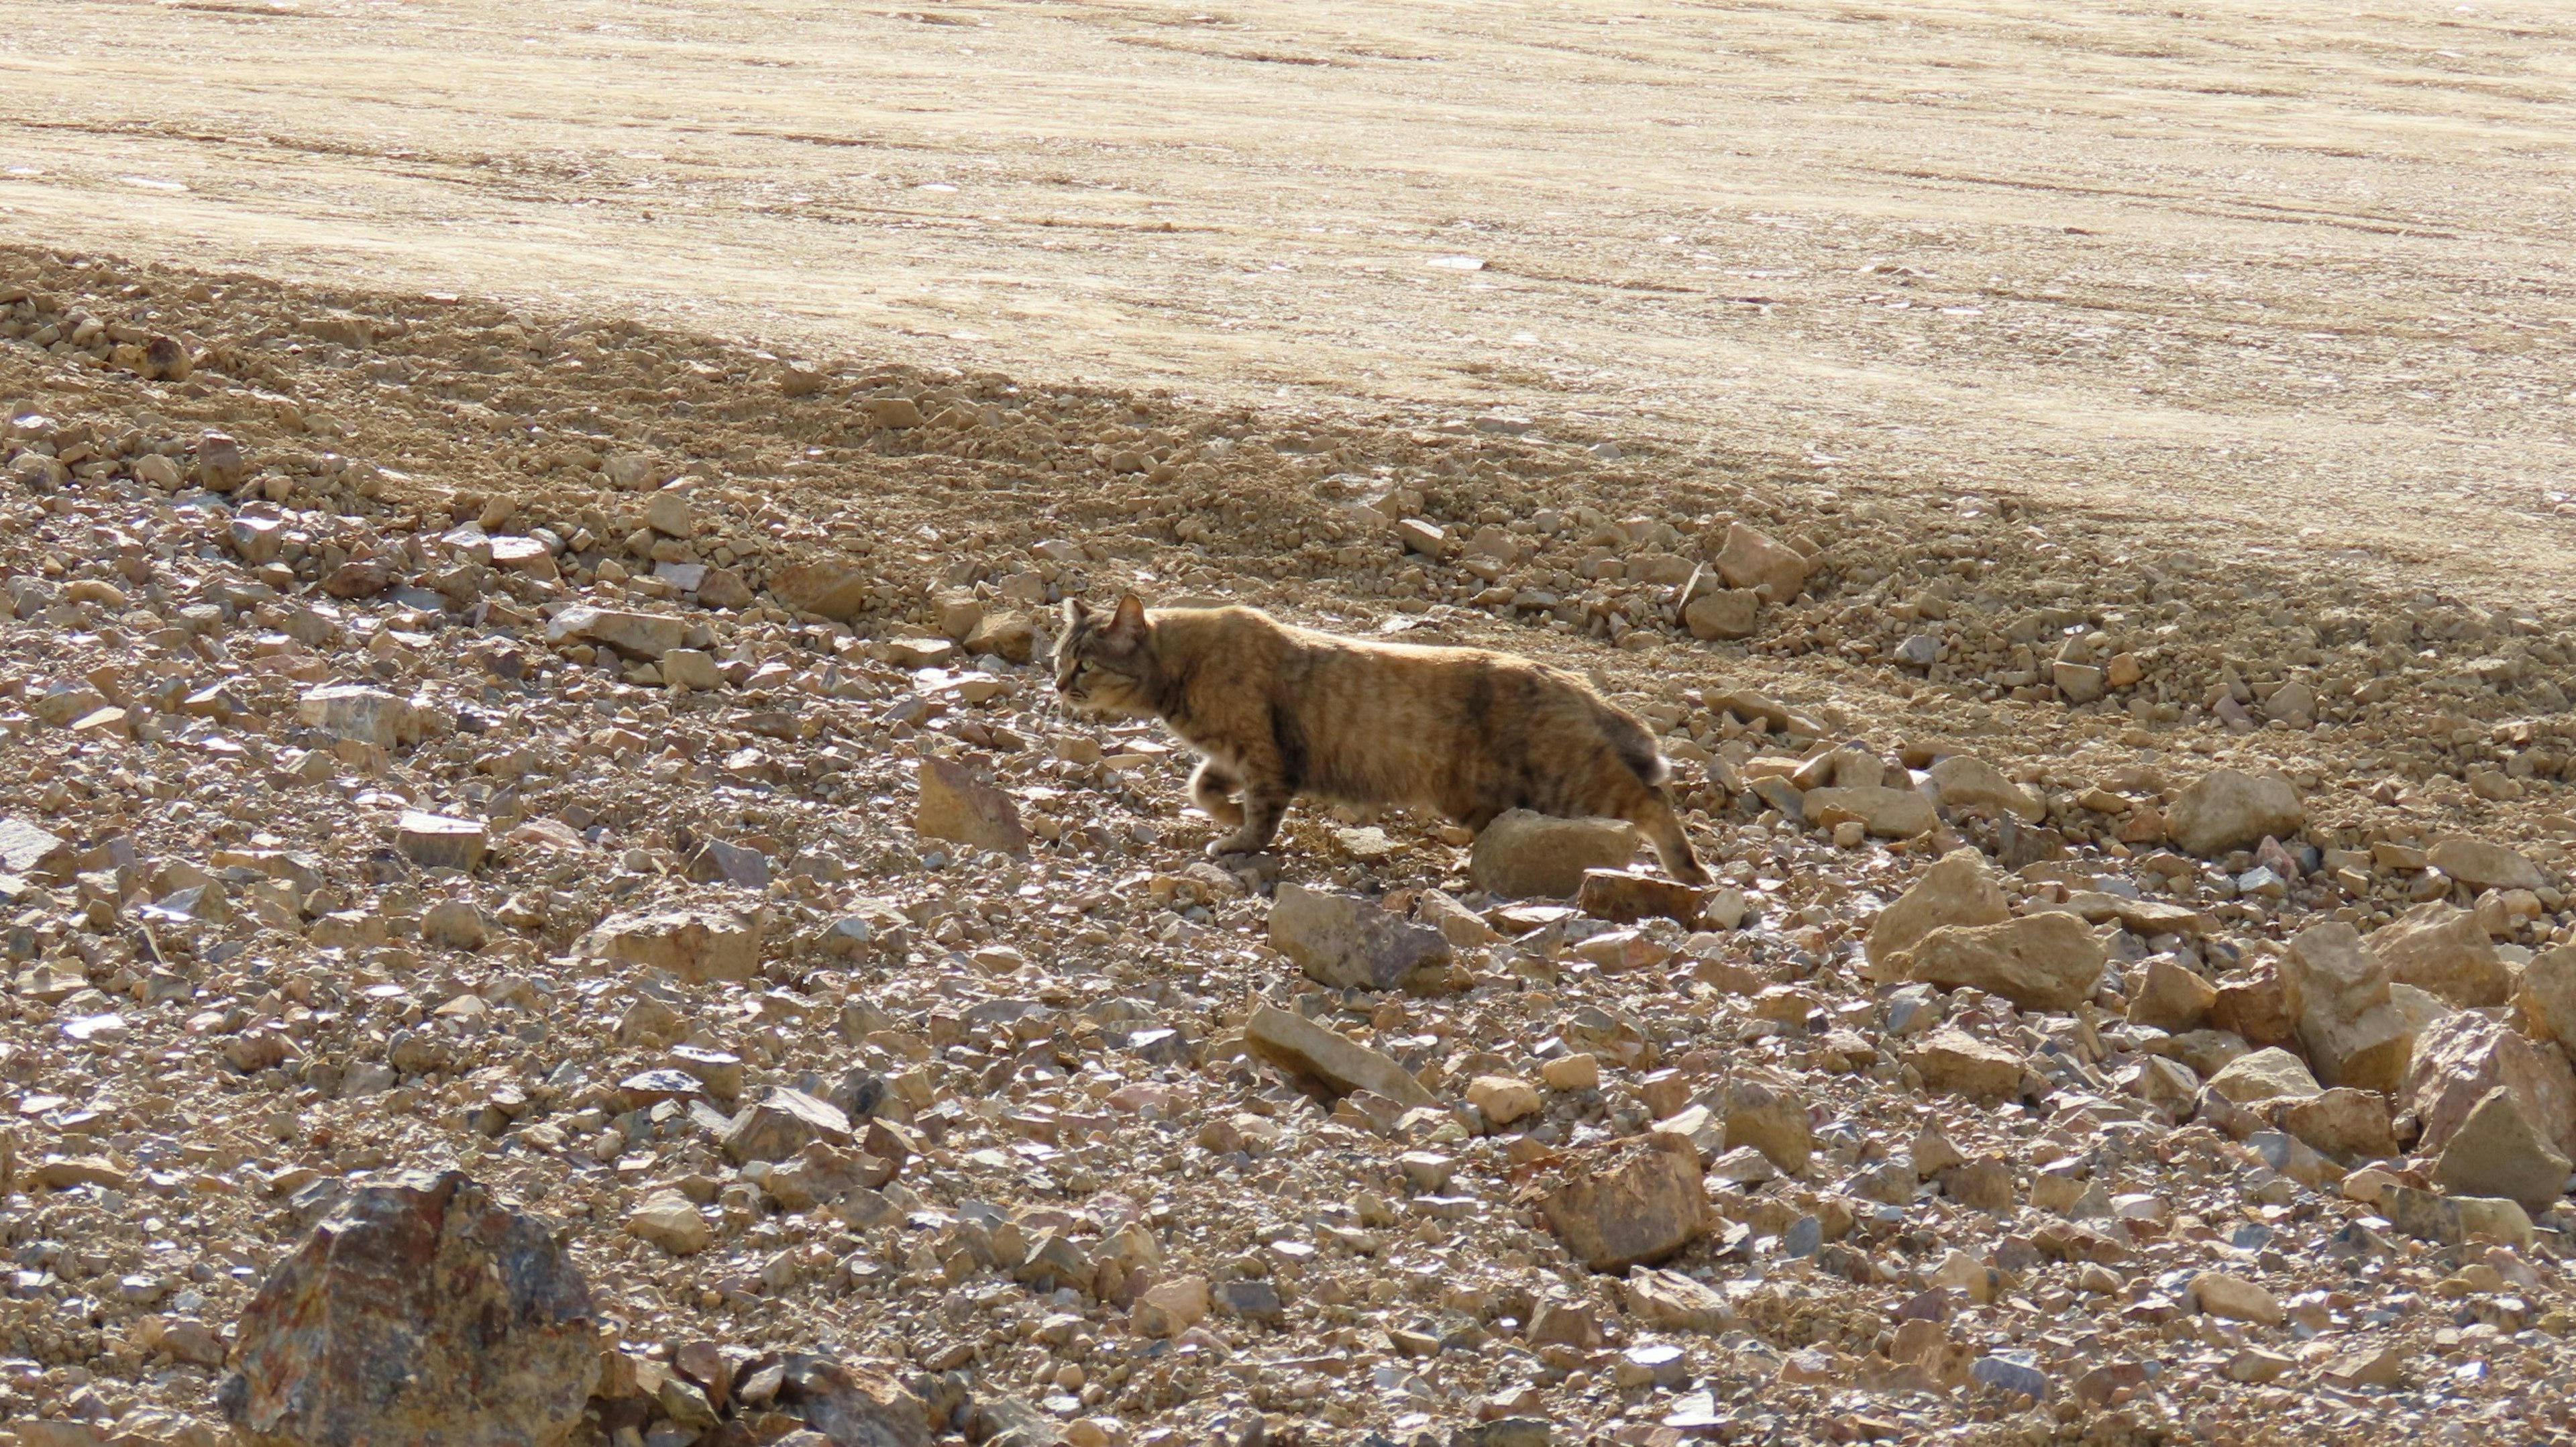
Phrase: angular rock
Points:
(1965, 781)
(828, 589)
(354, 711)
(359, 578)
(2345, 1124)
(1503, 1099)
(1886, 813)
(2221, 1293)
(455, 923)
(2462, 1057)
(1010, 637)
(1626, 898)
(2230, 809)
(26, 849)
(1299, 1045)
(1722, 613)
(2354, 1033)
(2483, 866)
(692, 944)
(852, 1406)
(644, 636)
(1170, 1308)
(1626, 1203)
(2256, 1008)
(2452, 1220)
(691, 670)
(955, 807)
(1770, 1122)
(1962, 1064)
(1958, 890)
(435, 841)
(2265, 1075)
(418, 1310)
(1524, 855)
(1343, 940)
(2499, 1151)
(221, 467)
(1671, 1301)
(2173, 998)
(1749, 559)
(782, 1123)
(2441, 948)
(2048, 961)
(671, 1221)
(2544, 999)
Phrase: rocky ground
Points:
(610, 764)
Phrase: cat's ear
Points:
(1130, 622)
(1074, 613)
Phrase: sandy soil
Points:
(2301, 274)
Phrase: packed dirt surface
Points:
(569, 707)
(2289, 281)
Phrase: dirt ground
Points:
(2300, 274)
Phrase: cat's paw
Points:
(1232, 844)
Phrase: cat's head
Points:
(1103, 665)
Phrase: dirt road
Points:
(2296, 282)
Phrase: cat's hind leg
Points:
(1212, 789)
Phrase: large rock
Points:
(1958, 890)
(2047, 961)
(852, 1406)
(26, 849)
(1962, 1064)
(418, 1311)
(2545, 1000)
(2267, 1074)
(1750, 559)
(2441, 948)
(671, 1221)
(2480, 865)
(2463, 1057)
(437, 841)
(692, 944)
(782, 1123)
(1628, 1202)
(1770, 1122)
(1720, 613)
(960, 810)
(1670, 1301)
(1299, 1045)
(1343, 940)
(833, 590)
(2230, 809)
(1885, 812)
(2347, 1124)
(1524, 855)
(2355, 1035)
(1965, 781)
(2173, 997)
(637, 635)
(355, 711)
(2499, 1151)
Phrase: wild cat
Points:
(1279, 713)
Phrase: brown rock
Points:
(1886, 813)
(2347, 1124)
(1524, 855)
(2499, 1151)
(1749, 559)
(782, 1123)
(2256, 1008)
(2048, 961)
(1626, 1203)
(1299, 1045)
(693, 944)
(435, 841)
(1770, 1122)
(2545, 1000)
(1011, 637)
(419, 1310)
(2173, 997)
(2353, 1032)
(2267, 1074)
(1962, 1064)
(1723, 613)
(1503, 1099)
(2483, 866)
(830, 589)
(724, 588)
(1958, 890)
(2229, 809)
(220, 464)
(1343, 940)
(1965, 781)
(2441, 948)
(955, 807)
(852, 1406)
(2463, 1057)
(1625, 898)
(26, 849)
(360, 578)
(1670, 1301)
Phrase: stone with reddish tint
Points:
(420, 1310)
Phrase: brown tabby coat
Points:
(1280, 712)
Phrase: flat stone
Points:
(2349, 1020)
(1887, 813)
(1957, 1062)
(2221, 1293)
(1525, 855)
(2482, 866)
(1965, 781)
(1343, 940)
(26, 849)
(1623, 897)
(1297, 1044)
(355, 711)
(435, 841)
(691, 669)
(637, 635)
(418, 1310)
(1723, 613)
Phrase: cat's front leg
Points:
(1263, 807)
